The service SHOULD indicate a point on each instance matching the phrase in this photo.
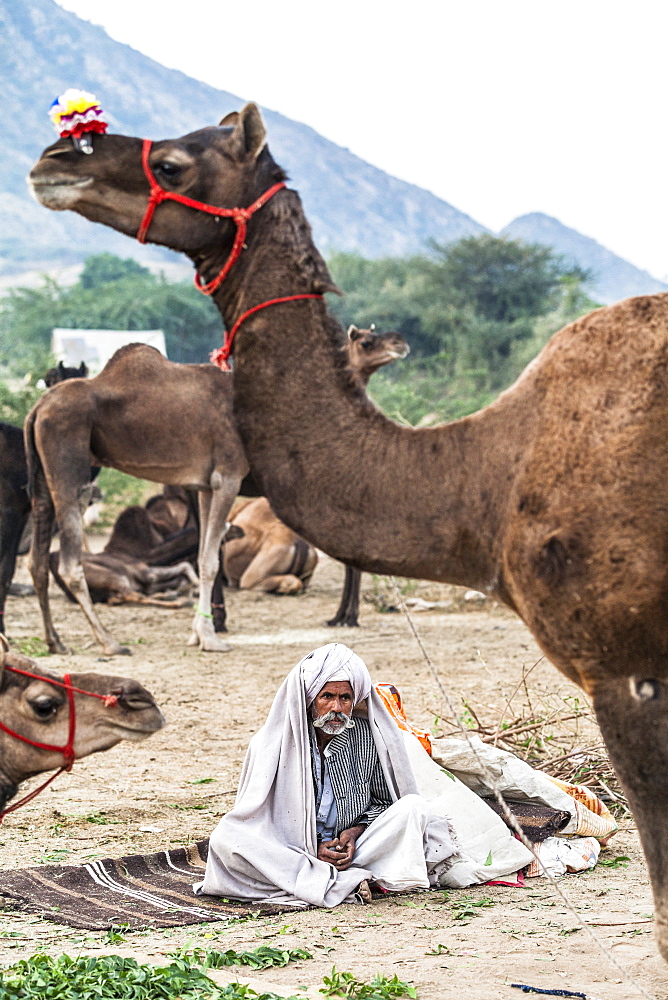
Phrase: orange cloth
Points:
(392, 701)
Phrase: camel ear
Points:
(83, 368)
(353, 333)
(231, 119)
(249, 136)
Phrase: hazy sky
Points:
(501, 107)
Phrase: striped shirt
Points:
(357, 780)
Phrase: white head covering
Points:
(334, 662)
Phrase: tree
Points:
(111, 294)
(474, 312)
(102, 268)
(503, 280)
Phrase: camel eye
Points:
(44, 707)
(167, 169)
(367, 345)
(646, 690)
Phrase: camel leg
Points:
(38, 559)
(348, 610)
(71, 570)
(218, 596)
(132, 597)
(214, 507)
(260, 574)
(12, 523)
(156, 574)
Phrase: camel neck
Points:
(8, 789)
(380, 497)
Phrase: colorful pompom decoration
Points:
(76, 113)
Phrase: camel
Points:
(61, 373)
(367, 351)
(151, 418)
(14, 500)
(65, 425)
(269, 556)
(550, 499)
(122, 574)
(272, 558)
(108, 709)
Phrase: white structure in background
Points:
(95, 347)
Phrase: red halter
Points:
(67, 750)
(240, 216)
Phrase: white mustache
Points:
(324, 720)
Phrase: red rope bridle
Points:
(68, 749)
(240, 216)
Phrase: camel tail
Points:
(33, 460)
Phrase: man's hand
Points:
(339, 852)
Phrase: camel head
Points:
(39, 711)
(226, 166)
(61, 373)
(368, 350)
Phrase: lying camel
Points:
(269, 556)
(118, 574)
(551, 499)
(144, 562)
(108, 709)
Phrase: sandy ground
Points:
(214, 702)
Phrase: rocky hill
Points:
(45, 49)
(612, 278)
(351, 205)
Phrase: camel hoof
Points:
(342, 623)
(193, 640)
(211, 644)
(117, 650)
(58, 647)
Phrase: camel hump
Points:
(135, 357)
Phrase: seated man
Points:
(327, 800)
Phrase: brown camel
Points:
(367, 351)
(270, 556)
(550, 499)
(39, 711)
(122, 574)
(148, 417)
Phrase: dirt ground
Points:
(214, 702)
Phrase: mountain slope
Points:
(612, 277)
(45, 49)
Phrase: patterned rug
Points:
(153, 890)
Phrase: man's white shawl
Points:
(266, 847)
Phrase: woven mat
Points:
(152, 890)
